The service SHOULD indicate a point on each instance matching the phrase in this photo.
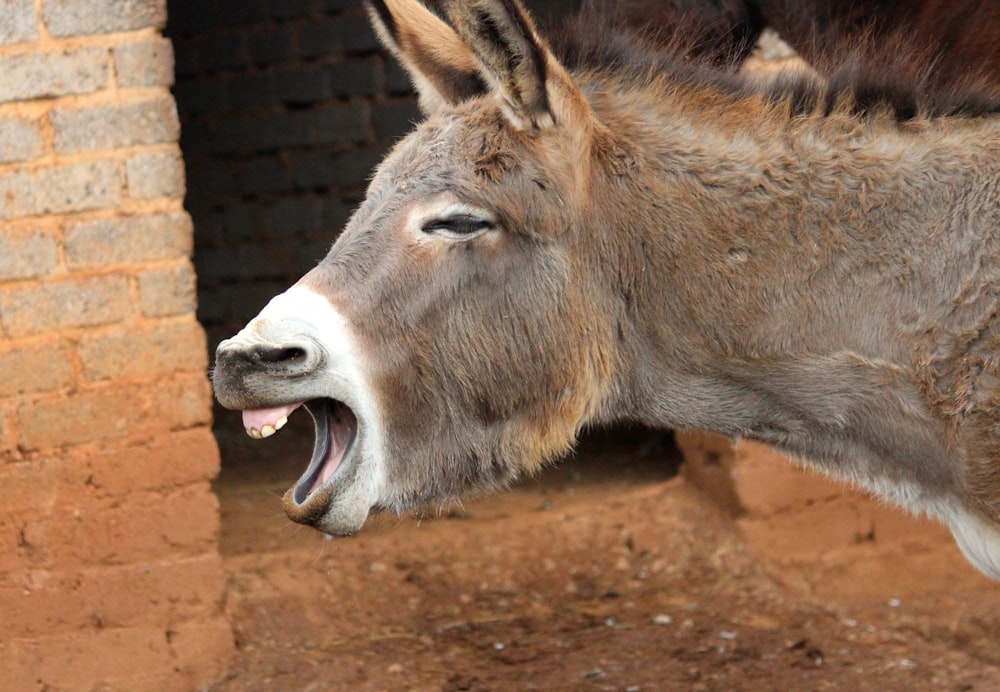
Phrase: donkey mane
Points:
(867, 77)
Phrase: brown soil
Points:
(605, 573)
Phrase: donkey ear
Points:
(515, 60)
(443, 69)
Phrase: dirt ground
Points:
(607, 572)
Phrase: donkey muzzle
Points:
(247, 372)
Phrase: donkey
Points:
(628, 237)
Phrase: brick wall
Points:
(109, 567)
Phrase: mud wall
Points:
(109, 567)
(818, 535)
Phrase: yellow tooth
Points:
(281, 423)
(267, 431)
(254, 433)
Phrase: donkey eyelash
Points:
(460, 225)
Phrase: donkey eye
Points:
(458, 226)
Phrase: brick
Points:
(338, 34)
(153, 175)
(60, 189)
(210, 180)
(27, 254)
(321, 39)
(220, 52)
(251, 91)
(170, 291)
(357, 77)
(325, 125)
(137, 527)
(185, 401)
(90, 416)
(271, 45)
(165, 461)
(17, 21)
(64, 660)
(233, 305)
(44, 75)
(60, 305)
(127, 240)
(20, 140)
(115, 412)
(52, 662)
(359, 37)
(144, 352)
(302, 216)
(290, 9)
(316, 170)
(295, 218)
(114, 597)
(303, 85)
(40, 367)
(395, 118)
(264, 175)
(86, 17)
(145, 63)
(109, 472)
(107, 127)
(232, 223)
(260, 260)
(204, 649)
(193, 18)
(207, 96)
(242, 12)
(28, 487)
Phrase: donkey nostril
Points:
(287, 354)
(287, 358)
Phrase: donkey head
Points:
(456, 335)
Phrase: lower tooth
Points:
(281, 423)
(254, 433)
(267, 431)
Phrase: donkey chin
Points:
(299, 353)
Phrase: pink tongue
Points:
(258, 418)
(342, 427)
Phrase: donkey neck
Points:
(784, 248)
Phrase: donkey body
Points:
(943, 42)
(634, 239)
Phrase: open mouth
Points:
(336, 433)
